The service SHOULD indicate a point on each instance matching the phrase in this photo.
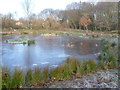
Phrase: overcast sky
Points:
(7, 6)
(12, 6)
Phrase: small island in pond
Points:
(20, 41)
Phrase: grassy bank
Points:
(76, 33)
(70, 69)
(60, 32)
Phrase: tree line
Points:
(77, 15)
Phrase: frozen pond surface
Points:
(46, 51)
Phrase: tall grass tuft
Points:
(91, 65)
(65, 70)
(45, 74)
(6, 78)
(28, 77)
(17, 79)
(57, 73)
(36, 76)
(86, 67)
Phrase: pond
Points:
(47, 51)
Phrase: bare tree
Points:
(27, 7)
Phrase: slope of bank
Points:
(99, 79)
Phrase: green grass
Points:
(58, 32)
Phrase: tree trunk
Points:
(95, 28)
(79, 27)
(86, 29)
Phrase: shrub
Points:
(113, 44)
(99, 57)
(108, 58)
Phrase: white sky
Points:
(12, 6)
(7, 6)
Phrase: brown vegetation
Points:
(79, 16)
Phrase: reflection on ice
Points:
(47, 51)
(44, 62)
